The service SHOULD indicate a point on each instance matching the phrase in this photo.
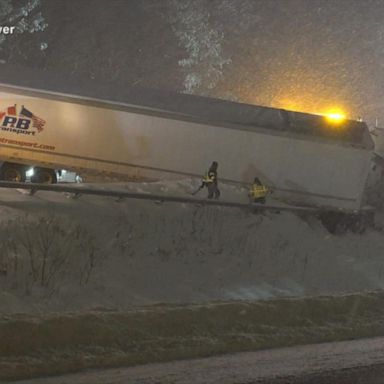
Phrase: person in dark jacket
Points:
(211, 182)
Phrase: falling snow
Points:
(295, 54)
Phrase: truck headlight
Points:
(30, 172)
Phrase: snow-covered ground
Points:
(109, 254)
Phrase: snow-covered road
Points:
(250, 367)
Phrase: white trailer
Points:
(304, 158)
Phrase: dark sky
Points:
(309, 55)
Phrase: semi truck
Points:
(306, 159)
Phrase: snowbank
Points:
(140, 252)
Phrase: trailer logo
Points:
(24, 122)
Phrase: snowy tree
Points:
(25, 17)
(205, 62)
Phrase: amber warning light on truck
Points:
(335, 116)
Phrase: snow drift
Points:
(108, 254)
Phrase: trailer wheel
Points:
(44, 176)
(13, 172)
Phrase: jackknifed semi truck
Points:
(306, 159)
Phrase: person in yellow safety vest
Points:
(258, 191)
(210, 181)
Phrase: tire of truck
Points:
(44, 176)
(12, 172)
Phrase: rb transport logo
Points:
(24, 122)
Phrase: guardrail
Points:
(78, 190)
